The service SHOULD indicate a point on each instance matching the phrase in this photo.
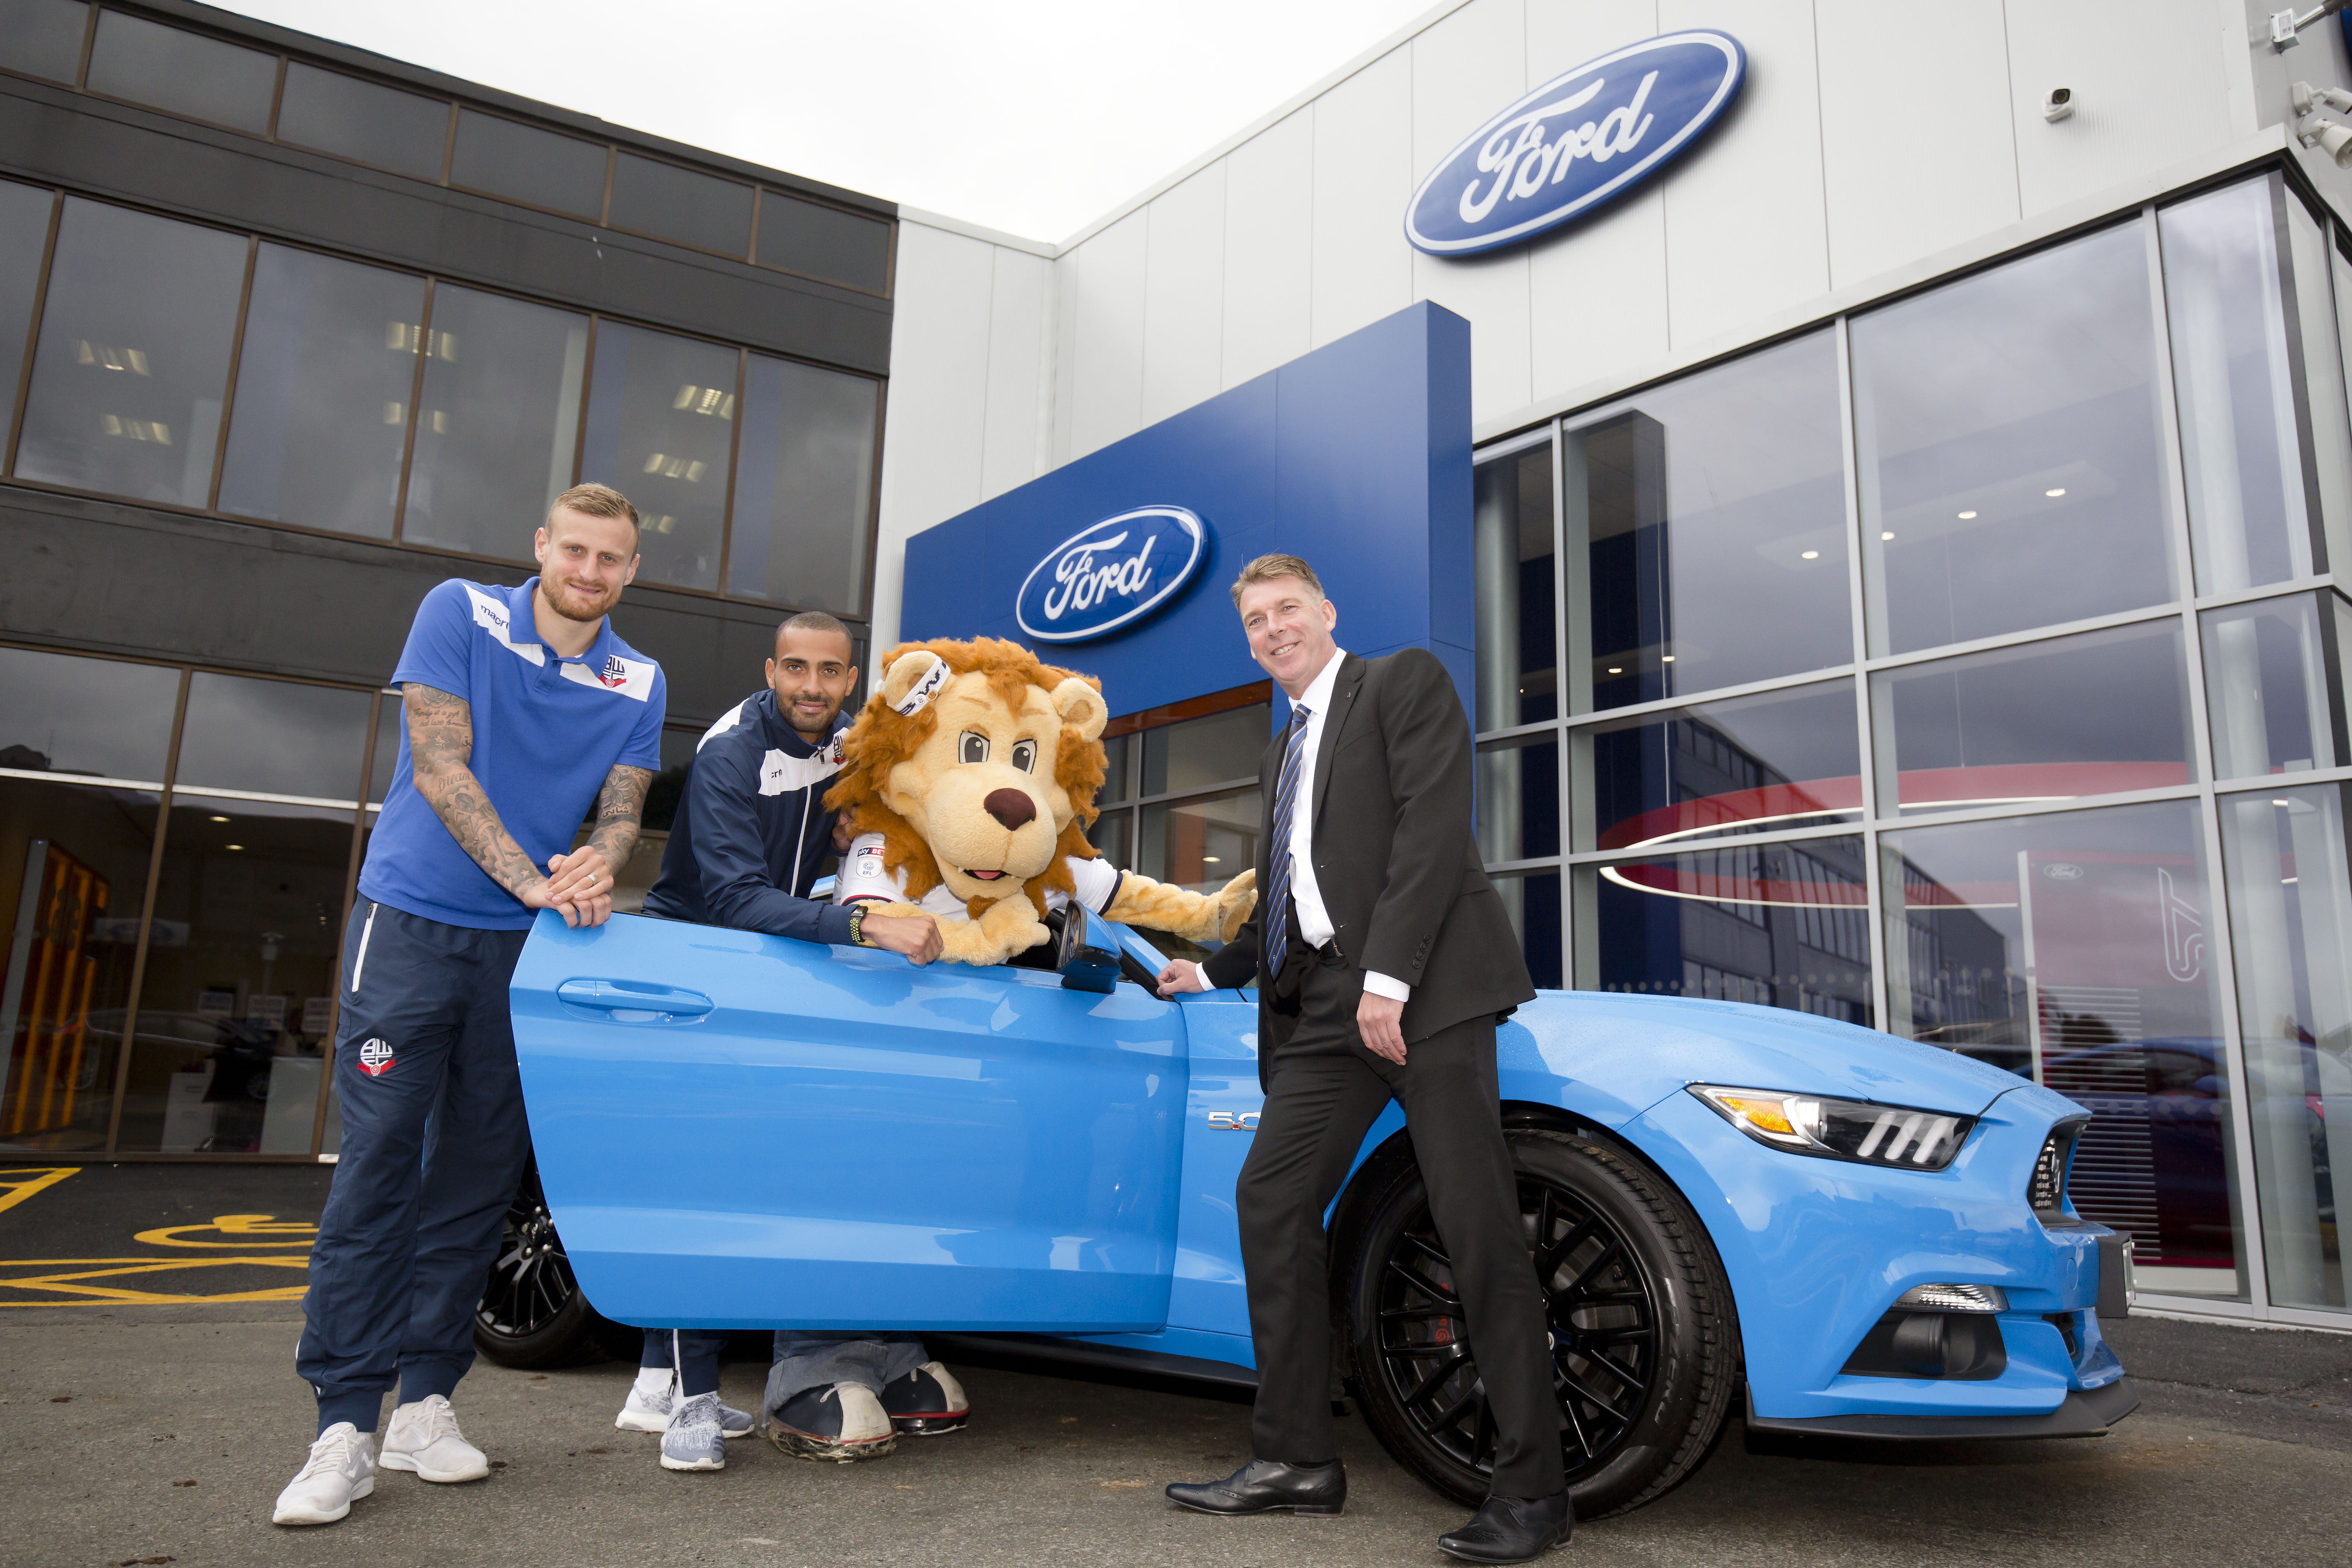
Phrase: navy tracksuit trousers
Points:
(435, 1142)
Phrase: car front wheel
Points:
(1644, 1342)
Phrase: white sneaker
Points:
(339, 1472)
(649, 1411)
(423, 1438)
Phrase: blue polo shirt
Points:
(547, 730)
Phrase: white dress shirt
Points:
(1306, 893)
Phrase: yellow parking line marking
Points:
(22, 1182)
(251, 1229)
(80, 1288)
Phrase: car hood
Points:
(1636, 1050)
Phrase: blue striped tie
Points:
(1276, 921)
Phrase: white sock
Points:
(653, 1382)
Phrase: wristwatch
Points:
(858, 926)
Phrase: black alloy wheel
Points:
(533, 1313)
(1645, 1344)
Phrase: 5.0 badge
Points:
(1233, 1121)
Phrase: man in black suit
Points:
(1387, 959)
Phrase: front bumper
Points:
(2083, 1412)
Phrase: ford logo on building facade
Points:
(1108, 576)
(1576, 143)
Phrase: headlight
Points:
(1853, 1130)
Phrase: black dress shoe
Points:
(1269, 1485)
(1512, 1530)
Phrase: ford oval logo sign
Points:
(1108, 576)
(1576, 143)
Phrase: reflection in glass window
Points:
(2291, 926)
(1712, 510)
(524, 163)
(389, 734)
(232, 1038)
(823, 242)
(322, 393)
(2276, 673)
(661, 424)
(1115, 768)
(100, 717)
(804, 487)
(81, 853)
(1111, 836)
(2325, 412)
(185, 73)
(277, 737)
(2095, 713)
(1780, 925)
(679, 203)
(1518, 801)
(24, 234)
(1198, 752)
(2073, 948)
(364, 120)
(2011, 450)
(1200, 845)
(667, 790)
(133, 356)
(1533, 899)
(1512, 527)
(1786, 759)
(2234, 372)
(42, 37)
(499, 422)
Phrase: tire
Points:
(532, 1314)
(1646, 1337)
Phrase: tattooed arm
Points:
(440, 747)
(588, 872)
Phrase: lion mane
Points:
(883, 738)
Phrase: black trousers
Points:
(1325, 1091)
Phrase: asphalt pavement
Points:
(145, 1419)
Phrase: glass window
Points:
(2338, 519)
(1533, 899)
(1786, 759)
(1518, 800)
(1200, 845)
(1780, 925)
(133, 355)
(74, 859)
(364, 120)
(322, 393)
(2325, 415)
(500, 421)
(2095, 713)
(231, 1034)
(389, 734)
(667, 790)
(1117, 768)
(1713, 512)
(2274, 685)
(24, 234)
(1199, 752)
(2071, 949)
(804, 487)
(1111, 835)
(2290, 926)
(42, 37)
(185, 73)
(2011, 451)
(2234, 375)
(97, 718)
(823, 242)
(277, 737)
(1516, 564)
(661, 426)
(681, 204)
(524, 163)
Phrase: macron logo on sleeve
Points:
(490, 615)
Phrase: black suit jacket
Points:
(1395, 858)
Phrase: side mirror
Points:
(1083, 965)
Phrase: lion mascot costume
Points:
(970, 778)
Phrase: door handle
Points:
(635, 1002)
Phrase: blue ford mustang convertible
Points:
(1859, 1234)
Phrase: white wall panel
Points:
(2149, 83)
(1064, 350)
(1464, 68)
(1269, 247)
(1020, 371)
(1107, 390)
(1184, 295)
(1915, 161)
(1745, 228)
(1363, 177)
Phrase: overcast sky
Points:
(1030, 116)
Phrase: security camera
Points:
(2060, 105)
(2336, 141)
(2306, 98)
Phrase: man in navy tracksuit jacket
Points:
(744, 852)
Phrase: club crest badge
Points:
(375, 1057)
(615, 672)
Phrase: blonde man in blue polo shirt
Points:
(522, 709)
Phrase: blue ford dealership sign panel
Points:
(1576, 143)
(1111, 574)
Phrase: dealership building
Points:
(1874, 474)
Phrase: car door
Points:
(745, 1131)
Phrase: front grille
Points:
(2046, 1190)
